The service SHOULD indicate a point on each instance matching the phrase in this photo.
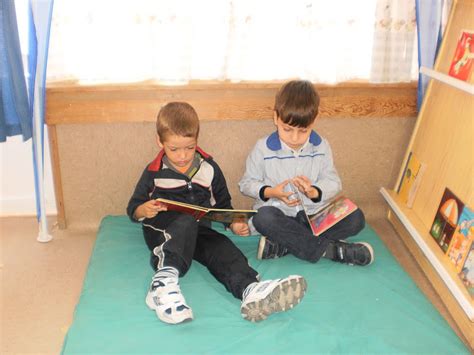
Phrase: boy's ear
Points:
(158, 141)
(275, 117)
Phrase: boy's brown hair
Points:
(177, 118)
(297, 103)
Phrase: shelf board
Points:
(449, 80)
(432, 252)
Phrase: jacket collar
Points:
(155, 165)
(274, 143)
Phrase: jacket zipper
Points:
(190, 190)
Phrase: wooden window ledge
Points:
(69, 103)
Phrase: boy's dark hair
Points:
(177, 118)
(297, 103)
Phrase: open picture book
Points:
(336, 210)
(327, 217)
(213, 214)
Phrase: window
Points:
(173, 42)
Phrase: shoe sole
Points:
(261, 247)
(371, 251)
(285, 296)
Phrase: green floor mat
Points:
(359, 310)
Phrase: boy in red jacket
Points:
(184, 173)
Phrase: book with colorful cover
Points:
(213, 214)
(467, 272)
(462, 239)
(337, 209)
(410, 181)
(330, 215)
(463, 58)
(446, 219)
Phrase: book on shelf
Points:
(213, 214)
(467, 272)
(462, 239)
(446, 219)
(463, 58)
(336, 210)
(410, 182)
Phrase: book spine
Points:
(404, 173)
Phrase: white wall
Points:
(17, 186)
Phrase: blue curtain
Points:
(15, 108)
(22, 105)
(429, 25)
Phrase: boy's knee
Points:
(266, 215)
(186, 218)
(185, 222)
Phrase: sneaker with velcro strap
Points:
(260, 299)
(270, 250)
(165, 298)
(359, 253)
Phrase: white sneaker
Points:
(168, 302)
(263, 298)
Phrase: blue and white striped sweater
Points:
(271, 162)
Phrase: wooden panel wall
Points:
(73, 104)
(140, 103)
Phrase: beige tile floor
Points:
(41, 282)
(40, 285)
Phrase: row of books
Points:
(453, 231)
(453, 224)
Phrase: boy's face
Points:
(179, 150)
(293, 137)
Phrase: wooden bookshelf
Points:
(442, 139)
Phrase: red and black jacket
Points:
(207, 187)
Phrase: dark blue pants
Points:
(295, 234)
(176, 239)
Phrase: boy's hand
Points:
(240, 228)
(149, 209)
(279, 192)
(303, 184)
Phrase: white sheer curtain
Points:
(393, 56)
(175, 41)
